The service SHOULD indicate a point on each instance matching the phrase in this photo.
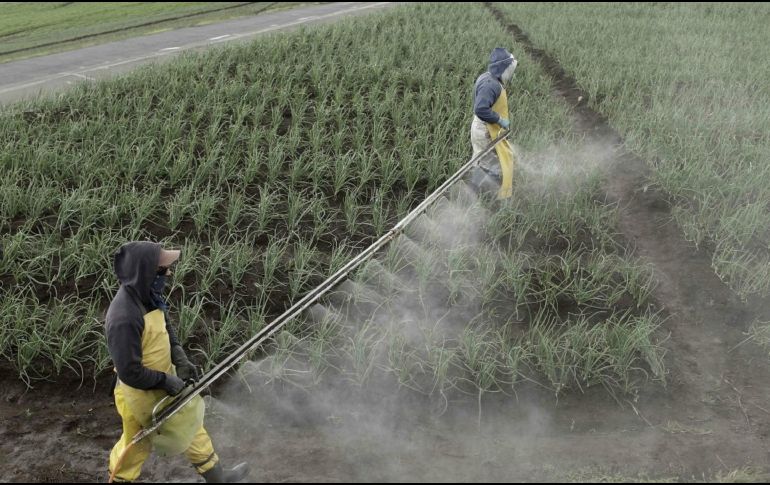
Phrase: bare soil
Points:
(711, 418)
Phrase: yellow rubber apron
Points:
(504, 149)
(182, 433)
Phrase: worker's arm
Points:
(172, 338)
(124, 340)
(487, 93)
(184, 368)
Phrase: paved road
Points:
(31, 77)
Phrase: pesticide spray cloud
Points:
(380, 384)
(564, 167)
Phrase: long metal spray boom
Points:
(186, 396)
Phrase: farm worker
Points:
(151, 364)
(490, 116)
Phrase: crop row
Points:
(687, 87)
(271, 164)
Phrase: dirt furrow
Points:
(710, 380)
(712, 416)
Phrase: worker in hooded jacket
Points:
(490, 116)
(150, 362)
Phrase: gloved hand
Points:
(172, 385)
(185, 369)
(504, 123)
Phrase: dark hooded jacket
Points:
(489, 86)
(136, 265)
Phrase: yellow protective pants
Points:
(480, 139)
(200, 453)
(504, 149)
(135, 407)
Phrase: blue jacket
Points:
(488, 86)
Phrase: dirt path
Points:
(710, 385)
(712, 418)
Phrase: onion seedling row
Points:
(271, 164)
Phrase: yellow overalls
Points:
(504, 149)
(135, 407)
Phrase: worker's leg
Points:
(479, 136)
(201, 452)
(131, 466)
(506, 157)
(505, 163)
(486, 176)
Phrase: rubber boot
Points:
(220, 475)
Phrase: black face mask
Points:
(156, 289)
(158, 284)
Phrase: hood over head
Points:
(499, 61)
(136, 266)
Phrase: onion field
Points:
(272, 163)
(697, 107)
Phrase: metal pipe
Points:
(308, 299)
